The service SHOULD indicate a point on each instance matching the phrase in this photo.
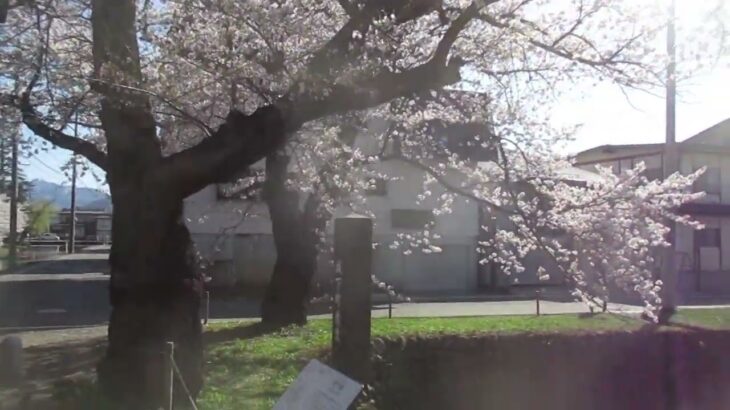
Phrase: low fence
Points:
(645, 370)
(35, 252)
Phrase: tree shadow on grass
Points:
(675, 326)
(50, 366)
(687, 326)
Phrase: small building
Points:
(702, 256)
(91, 225)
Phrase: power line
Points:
(59, 163)
(41, 171)
(46, 165)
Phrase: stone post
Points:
(353, 251)
(11, 361)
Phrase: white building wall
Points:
(725, 240)
(246, 253)
(724, 164)
(206, 214)
(452, 270)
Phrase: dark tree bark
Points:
(295, 238)
(155, 297)
(154, 288)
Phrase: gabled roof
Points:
(610, 149)
(718, 134)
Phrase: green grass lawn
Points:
(250, 369)
(708, 318)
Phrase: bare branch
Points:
(33, 121)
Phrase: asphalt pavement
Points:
(44, 300)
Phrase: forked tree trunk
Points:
(295, 238)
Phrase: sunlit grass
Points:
(252, 372)
(708, 318)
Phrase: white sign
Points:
(319, 387)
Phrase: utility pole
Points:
(72, 225)
(2, 164)
(13, 236)
(670, 165)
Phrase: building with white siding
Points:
(235, 234)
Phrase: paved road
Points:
(72, 291)
(67, 290)
(66, 298)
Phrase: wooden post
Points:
(207, 307)
(168, 385)
(335, 303)
(353, 250)
(537, 302)
(71, 247)
(390, 307)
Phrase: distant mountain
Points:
(60, 195)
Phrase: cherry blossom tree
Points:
(176, 95)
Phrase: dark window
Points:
(577, 184)
(707, 238)
(470, 141)
(653, 174)
(410, 218)
(379, 188)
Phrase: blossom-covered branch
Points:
(243, 140)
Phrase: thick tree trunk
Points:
(295, 238)
(154, 288)
(155, 296)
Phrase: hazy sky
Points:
(610, 117)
